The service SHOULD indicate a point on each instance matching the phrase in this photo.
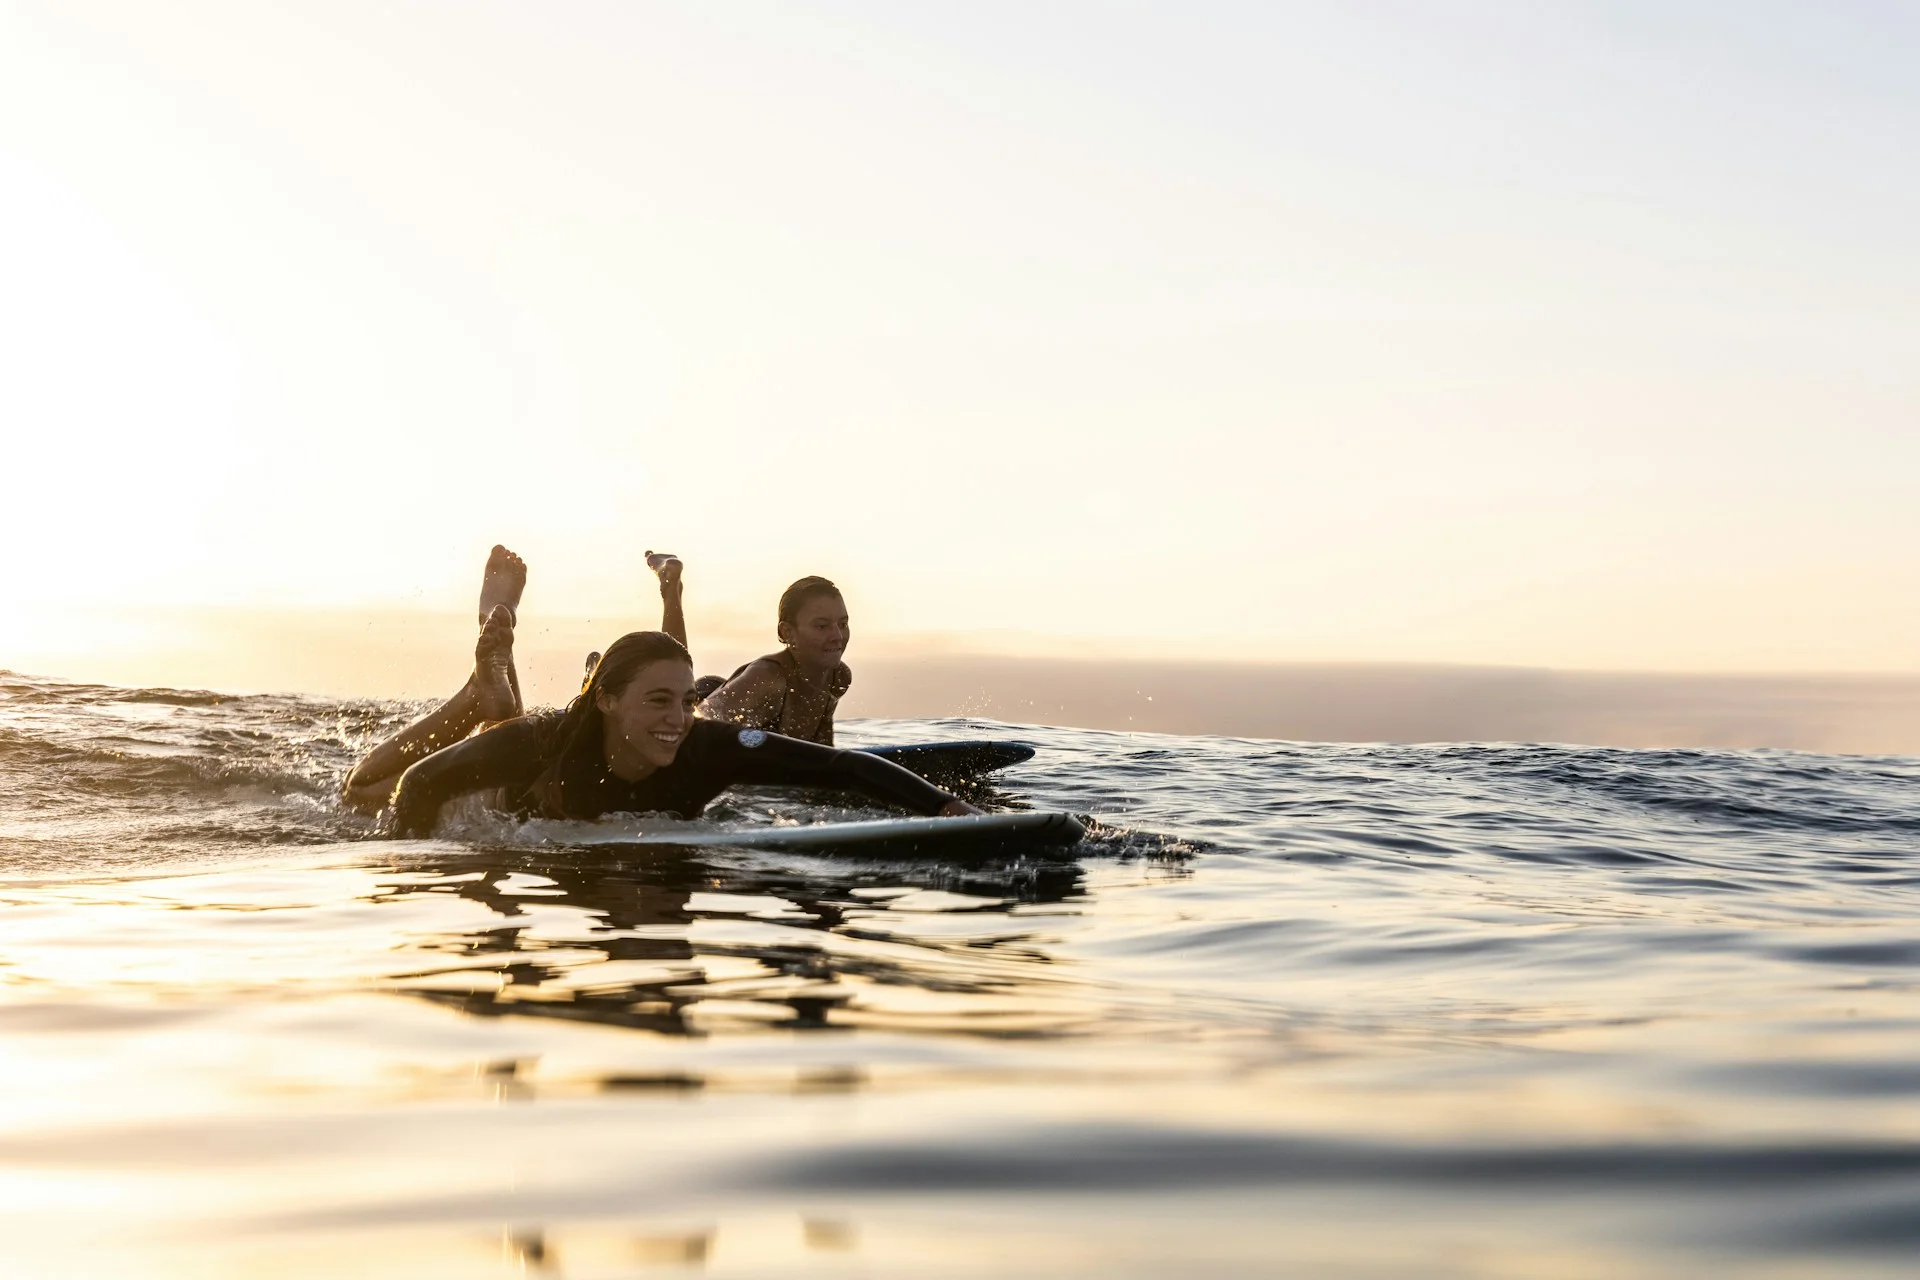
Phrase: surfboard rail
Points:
(967, 835)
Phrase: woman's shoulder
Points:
(527, 744)
(780, 666)
(768, 669)
(537, 726)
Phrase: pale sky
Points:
(1580, 335)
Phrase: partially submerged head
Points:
(637, 705)
(813, 622)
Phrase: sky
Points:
(1570, 335)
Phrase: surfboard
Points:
(943, 762)
(1045, 834)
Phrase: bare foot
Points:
(666, 566)
(493, 682)
(505, 579)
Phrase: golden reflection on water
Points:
(567, 1065)
(200, 1056)
(1448, 1011)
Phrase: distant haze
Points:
(1544, 335)
(1384, 703)
(426, 655)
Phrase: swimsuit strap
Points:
(837, 684)
(789, 668)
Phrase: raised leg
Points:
(673, 618)
(502, 583)
(491, 693)
(370, 785)
(495, 683)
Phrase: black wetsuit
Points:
(712, 758)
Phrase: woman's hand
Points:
(958, 809)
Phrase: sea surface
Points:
(1327, 1010)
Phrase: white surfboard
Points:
(968, 836)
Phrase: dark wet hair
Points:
(574, 742)
(795, 597)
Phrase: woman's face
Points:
(652, 714)
(819, 633)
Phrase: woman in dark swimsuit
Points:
(630, 743)
(793, 691)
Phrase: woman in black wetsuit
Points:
(630, 743)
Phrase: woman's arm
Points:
(506, 755)
(770, 758)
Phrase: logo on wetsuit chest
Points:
(752, 737)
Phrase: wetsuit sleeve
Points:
(783, 761)
(507, 755)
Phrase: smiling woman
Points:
(630, 743)
(795, 690)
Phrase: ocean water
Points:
(1440, 1010)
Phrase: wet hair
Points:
(796, 597)
(574, 744)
